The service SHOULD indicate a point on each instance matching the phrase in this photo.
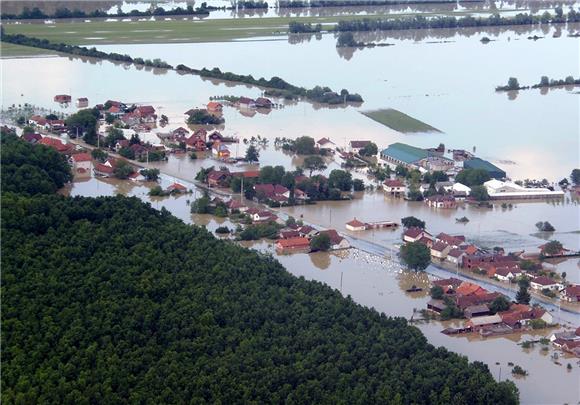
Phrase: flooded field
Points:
(463, 105)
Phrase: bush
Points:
(222, 230)
(320, 242)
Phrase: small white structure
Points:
(440, 250)
(461, 188)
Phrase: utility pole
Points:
(242, 189)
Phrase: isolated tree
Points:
(150, 174)
(479, 193)
(499, 304)
(252, 154)
(358, 185)
(412, 222)
(340, 179)
(553, 247)
(304, 145)
(575, 176)
(523, 296)
(320, 242)
(313, 164)
(416, 255)
(370, 149)
(513, 83)
(436, 292)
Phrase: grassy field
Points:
(178, 30)
(11, 50)
(399, 121)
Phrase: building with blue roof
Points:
(403, 154)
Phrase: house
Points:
(215, 136)
(236, 206)
(571, 293)
(440, 250)
(130, 119)
(262, 102)
(506, 273)
(106, 169)
(56, 144)
(115, 111)
(176, 188)
(355, 225)
(436, 163)
(466, 288)
(62, 98)
(31, 137)
(454, 256)
(81, 162)
(293, 244)
(448, 284)
(300, 195)
(471, 249)
(246, 102)
(476, 310)
(394, 187)
(218, 178)
(436, 305)
(357, 146)
(140, 151)
(214, 107)
(136, 176)
(55, 125)
(196, 142)
(415, 234)
(542, 282)
(441, 201)
(275, 192)
(453, 241)
(307, 231)
(220, 151)
(336, 241)
(82, 102)
(146, 113)
(471, 261)
(507, 190)
(37, 120)
(481, 322)
(179, 132)
(289, 233)
(325, 143)
(263, 216)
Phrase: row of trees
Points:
(514, 84)
(24, 40)
(63, 12)
(421, 22)
(276, 87)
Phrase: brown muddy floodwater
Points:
(380, 283)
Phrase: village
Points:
(441, 178)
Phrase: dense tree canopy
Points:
(472, 177)
(32, 169)
(107, 300)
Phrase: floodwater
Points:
(380, 283)
(445, 80)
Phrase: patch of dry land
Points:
(399, 121)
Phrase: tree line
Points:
(64, 12)
(112, 301)
(545, 82)
(421, 22)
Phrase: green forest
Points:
(107, 300)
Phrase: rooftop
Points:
(405, 153)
